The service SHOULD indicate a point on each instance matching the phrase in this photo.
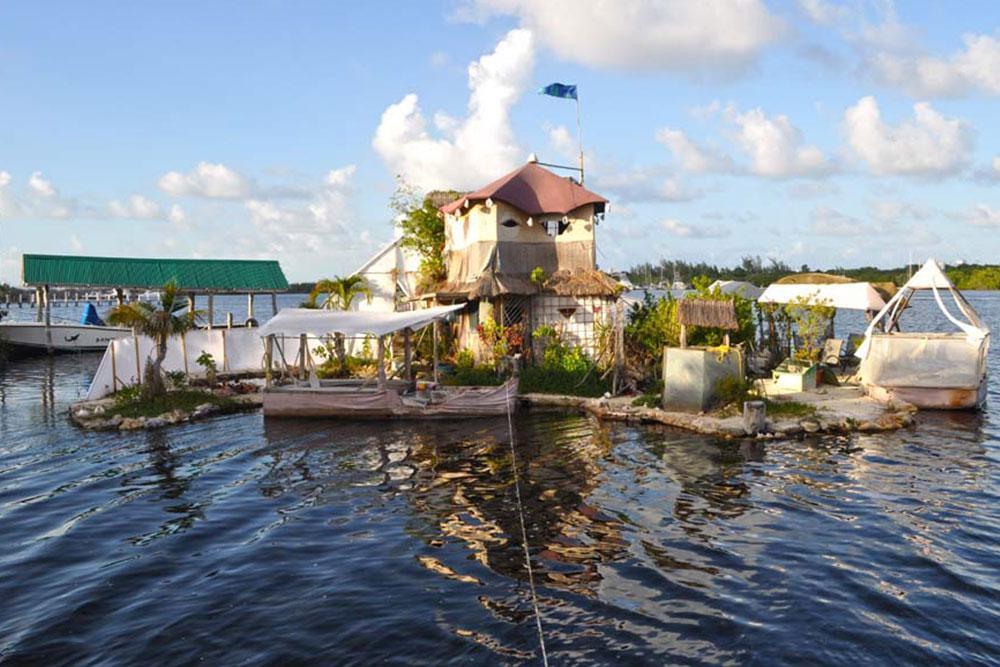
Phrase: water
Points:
(244, 541)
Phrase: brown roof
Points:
(534, 190)
(582, 282)
(706, 313)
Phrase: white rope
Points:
(524, 531)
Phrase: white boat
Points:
(35, 337)
(941, 371)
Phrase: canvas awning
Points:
(298, 321)
(853, 296)
(740, 287)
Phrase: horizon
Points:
(811, 132)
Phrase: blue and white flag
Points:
(559, 90)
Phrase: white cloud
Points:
(177, 216)
(775, 146)
(563, 143)
(649, 184)
(136, 207)
(474, 150)
(894, 211)
(973, 68)
(684, 230)
(823, 12)
(692, 156)
(984, 215)
(929, 144)
(39, 186)
(212, 181)
(677, 35)
(827, 221)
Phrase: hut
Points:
(522, 252)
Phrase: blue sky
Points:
(812, 131)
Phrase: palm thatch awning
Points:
(582, 282)
(706, 313)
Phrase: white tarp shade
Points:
(939, 361)
(741, 287)
(234, 350)
(853, 296)
(296, 321)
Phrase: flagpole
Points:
(579, 134)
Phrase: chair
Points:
(832, 351)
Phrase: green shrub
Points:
(547, 380)
(469, 375)
(130, 403)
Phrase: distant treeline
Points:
(764, 272)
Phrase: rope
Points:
(524, 531)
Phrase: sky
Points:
(816, 132)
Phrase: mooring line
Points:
(524, 532)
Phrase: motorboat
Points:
(90, 334)
(931, 370)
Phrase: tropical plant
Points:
(422, 227)
(207, 361)
(340, 293)
(747, 332)
(811, 321)
(500, 341)
(159, 323)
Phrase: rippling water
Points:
(239, 540)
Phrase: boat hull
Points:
(26, 338)
(931, 398)
(460, 402)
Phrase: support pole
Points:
(407, 355)
(250, 306)
(39, 310)
(303, 351)
(684, 335)
(381, 363)
(229, 320)
(434, 331)
(48, 320)
(268, 358)
(211, 311)
(274, 304)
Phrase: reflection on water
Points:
(236, 540)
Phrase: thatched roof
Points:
(439, 198)
(582, 282)
(814, 278)
(706, 313)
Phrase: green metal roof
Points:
(200, 275)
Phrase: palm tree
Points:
(340, 294)
(160, 324)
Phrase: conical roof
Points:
(533, 190)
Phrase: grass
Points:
(473, 376)
(789, 409)
(130, 405)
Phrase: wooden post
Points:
(268, 357)
(225, 354)
(434, 342)
(381, 363)
(684, 335)
(250, 305)
(39, 309)
(754, 417)
(184, 352)
(114, 369)
(303, 351)
(138, 364)
(48, 320)
(229, 320)
(274, 304)
(407, 355)
(211, 312)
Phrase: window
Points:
(509, 222)
(555, 227)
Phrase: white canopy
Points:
(740, 287)
(853, 296)
(297, 321)
(929, 277)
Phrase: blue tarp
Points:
(90, 316)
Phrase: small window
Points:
(510, 222)
(555, 227)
